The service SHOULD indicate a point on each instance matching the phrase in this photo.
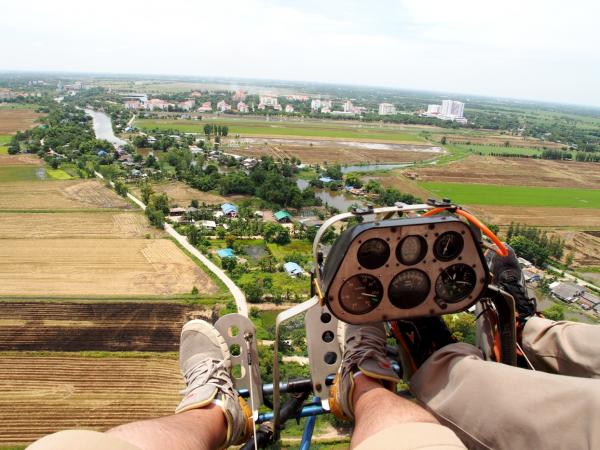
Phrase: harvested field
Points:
(514, 171)
(20, 160)
(585, 246)
(540, 216)
(59, 195)
(76, 225)
(97, 267)
(487, 138)
(13, 120)
(181, 194)
(41, 395)
(311, 151)
(148, 327)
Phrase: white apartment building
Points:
(315, 104)
(223, 106)
(242, 107)
(289, 108)
(434, 109)
(386, 109)
(348, 107)
(269, 100)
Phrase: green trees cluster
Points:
(216, 130)
(533, 244)
(121, 188)
(157, 209)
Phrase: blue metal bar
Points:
(310, 410)
(308, 430)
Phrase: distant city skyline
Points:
(535, 50)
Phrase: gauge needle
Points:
(462, 282)
(368, 295)
(447, 244)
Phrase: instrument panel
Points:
(403, 268)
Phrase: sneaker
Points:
(508, 276)
(205, 363)
(419, 339)
(364, 351)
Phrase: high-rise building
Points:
(452, 109)
(386, 109)
(434, 109)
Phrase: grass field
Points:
(482, 194)
(263, 128)
(4, 140)
(21, 173)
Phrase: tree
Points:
(444, 140)
(554, 312)
(147, 192)
(161, 203)
(229, 263)
(229, 240)
(273, 232)
(462, 326)
(253, 291)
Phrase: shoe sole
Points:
(201, 326)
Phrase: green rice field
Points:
(4, 140)
(487, 194)
(31, 173)
(263, 128)
(489, 149)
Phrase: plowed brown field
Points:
(20, 160)
(76, 225)
(13, 120)
(41, 395)
(514, 171)
(59, 195)
(62, 326)
(97, 267)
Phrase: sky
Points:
(529, 49)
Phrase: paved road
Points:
(568, 276)
(238, 295)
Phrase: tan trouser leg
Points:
(492, 405)
(567, 348)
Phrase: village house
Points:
(186, 105)
(289, 108)
(242, 107)
(206, 107)
(157, 103)
(208, 224)
(229, 210)
(283, 217)
(223, 106)
(293, 269)
(567, 292)
(132, 104)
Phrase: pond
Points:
(255, 252)
(103, 127)
(339, 200)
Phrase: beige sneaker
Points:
(364, 351)
(205, 363)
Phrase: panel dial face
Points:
(455, 283)
(448, 246)
(409, 288)
(373, 253)
(361, 294)
(411, 250)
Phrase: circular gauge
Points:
(455, 283)
(448, 246)
(361, 294)
(411, 250)
(409, 288)
(373, 253)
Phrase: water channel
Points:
(103, 127)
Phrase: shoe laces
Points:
(208, 371)
(366, 346)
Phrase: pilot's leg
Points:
(492, 405)
(566, 348)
